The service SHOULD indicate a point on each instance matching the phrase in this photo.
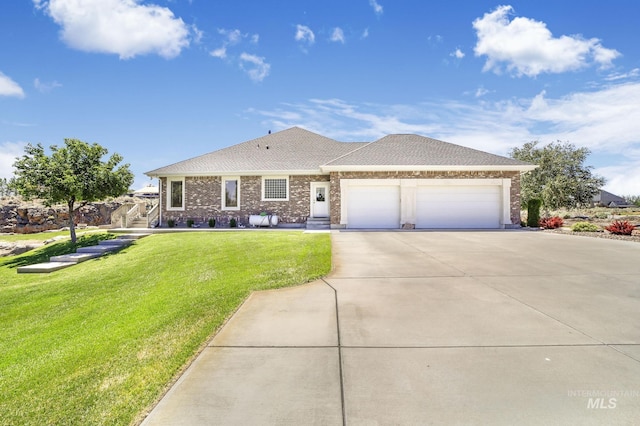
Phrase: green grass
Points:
(98, 343)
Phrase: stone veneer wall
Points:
(203, 200)
(514, 176)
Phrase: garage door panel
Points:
(373, 206)
(458, 207)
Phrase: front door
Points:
(320, 199)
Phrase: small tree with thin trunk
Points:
(72, 174)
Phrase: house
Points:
(607, 199)
(399, 181)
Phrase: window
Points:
(231, 193)
(275, 189)
(176, 194)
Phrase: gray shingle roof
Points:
(294, 149)
(415, 150)
(302, 151)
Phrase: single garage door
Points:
(457, 206)
(373, 206)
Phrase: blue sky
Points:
(160, 81)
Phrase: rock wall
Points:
(27, 219)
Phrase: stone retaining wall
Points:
(27, 219)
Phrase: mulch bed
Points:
(607, 235)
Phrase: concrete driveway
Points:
(508, 327)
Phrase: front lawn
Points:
(98, 343)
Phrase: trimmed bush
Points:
(585, 227)
(171, 223)
(620, 227)
(189, 223)
(533, 212)
(233, 223)
(212, 223)
(551, 222)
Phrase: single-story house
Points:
(607, 199)
(399, 181)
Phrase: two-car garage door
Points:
(458, 207)
(431, 206)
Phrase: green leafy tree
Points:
(633, 199)
(561, 179)
(72, 174)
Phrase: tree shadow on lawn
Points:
(43, 254)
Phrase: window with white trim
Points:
(275, 188)
(231, 193)
(175, 194)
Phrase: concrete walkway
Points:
(431, 328)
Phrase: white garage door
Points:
(455, 206)
(375, 206)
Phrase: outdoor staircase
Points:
(56, 263)
(318, 223)
(138, 222)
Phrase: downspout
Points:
(159, 202)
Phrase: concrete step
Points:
(135, 236)
(318, 223)
(120, 242)
(99, 249)
(45, 267)
(74, 257)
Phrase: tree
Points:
(633, 199)
(562, 179)
(73, 174)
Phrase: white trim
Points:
(295, 172)
(223, 192)
(274, 177)
(425, 168)
(169, 193)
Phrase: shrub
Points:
(212, 223)
(585, 227)
(171, 223)
(620, 227)
(551, 222)
(190, 223)
(233, 223)
(533, 212)
(566, 216)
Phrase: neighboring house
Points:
(607, 199)
(398, 181)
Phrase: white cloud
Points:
(44, 87)
(377, 8)
(338, 35)
(122, 27)
(365, 33)
(220, 52)
(459, 54)
(254, 66)
(604, 121)
(634, 73)
(8, 87)
(527, 47)
(305, 35)
(481, 91)
(9, 151)
(622, 179)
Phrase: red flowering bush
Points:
(620, 227)
(551, 222)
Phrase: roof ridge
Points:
(366, 144)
